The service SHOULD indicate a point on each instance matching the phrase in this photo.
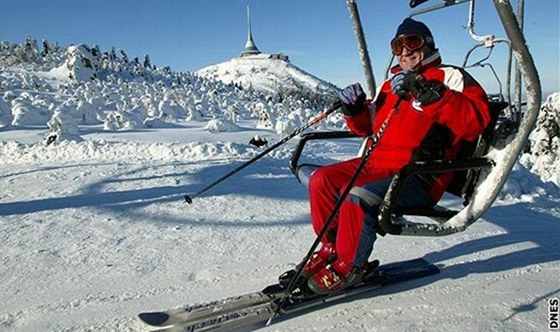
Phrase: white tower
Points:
(250, 47)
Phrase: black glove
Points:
(426, 92)
(352, 98)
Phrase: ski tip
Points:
(188, 199)
(154, 318)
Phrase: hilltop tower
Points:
(250, 47)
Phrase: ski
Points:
(253, 308)
(199, 311)
(229, 321)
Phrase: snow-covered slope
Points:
(94, 230)
(82, 85)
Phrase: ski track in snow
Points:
(90, 239)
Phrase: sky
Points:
(317, 35)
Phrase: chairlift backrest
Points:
(463, 181)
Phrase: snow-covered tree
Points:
(6, 116)
(546, 136)
(46, 48)
(121, 120)
(266, 118)
(29, 52)
(81, 63)
(544, 157)
(147, 62)
(63, 125)
(28, 111)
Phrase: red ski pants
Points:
(352, 224)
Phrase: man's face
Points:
(410, 59)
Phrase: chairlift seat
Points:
(467, 166)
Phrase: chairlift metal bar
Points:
(389, 201)
(445, 3)
(362, 47)
(315, 135)
(465, 65)
(518, 76)
(488, 40)
(497, 79)
(480, 63)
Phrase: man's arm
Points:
(454, 99)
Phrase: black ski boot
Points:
(371, 272)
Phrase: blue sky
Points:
(316, 34)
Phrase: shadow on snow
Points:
(266, 179)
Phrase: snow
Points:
(95, 230)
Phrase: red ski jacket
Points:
(463, 110)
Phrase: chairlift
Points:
(483, 165)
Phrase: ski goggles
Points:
(411, 42)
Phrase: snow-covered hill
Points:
(272, 73)
(82, 85)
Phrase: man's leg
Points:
(358, 216)
(356, 232)
(324, 187)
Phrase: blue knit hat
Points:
(412, 27)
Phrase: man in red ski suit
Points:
(440, 106)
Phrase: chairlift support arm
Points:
(362, 47)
